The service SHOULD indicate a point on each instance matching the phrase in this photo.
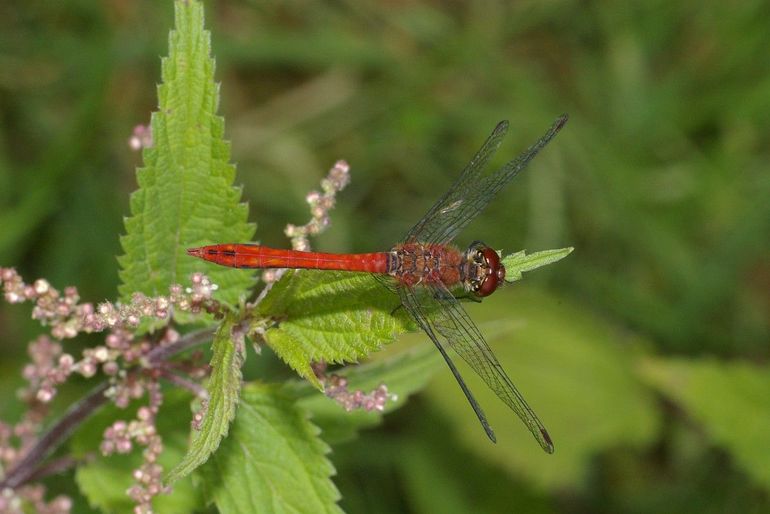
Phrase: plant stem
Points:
(62, 429)
(163, 353)
(182, 382)
(53, 467)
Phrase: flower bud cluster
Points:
(120, 438)
(50, 367)
(320, 205)
(336, 388)
(122, 357)
(68, 318)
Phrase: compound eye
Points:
(487, 286)
(491, 259)
(495, 273)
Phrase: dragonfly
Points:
(425, 270)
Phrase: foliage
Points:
(331, 317)
(405, 372)
(646, 356)
(726, 399)
(517, 263)
(185, 195)
(222, 399)
(273, 459)
(272, 462)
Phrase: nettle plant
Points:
(150, 379)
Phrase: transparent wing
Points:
(415, 307)
(473, 190)
(429, 223)
(440, 314)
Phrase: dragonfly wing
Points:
(450, 326)
(473, 191)
(432, 221)
(417, 308)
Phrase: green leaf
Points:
(517, 263)
(185, 196)
(404, 373)
(223, 388)
(104, 480)
(272, 462)
(575, 371)
(730, 401)
(329, 316)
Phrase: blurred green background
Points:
(644, 352)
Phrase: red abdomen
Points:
(257, 256)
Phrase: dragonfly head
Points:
(486, 272)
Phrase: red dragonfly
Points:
(425, 268)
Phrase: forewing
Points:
(435, 219)
(473, 190)
(453, 328)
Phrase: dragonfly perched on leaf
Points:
(425, 268)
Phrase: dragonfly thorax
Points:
(478, 270)
(484, 272)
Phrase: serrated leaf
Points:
(223, 388)
(730, 401)
(272, 462)
(185, 196)
(404, 373)
(104, 480)
(329, 316)
(519, 262)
